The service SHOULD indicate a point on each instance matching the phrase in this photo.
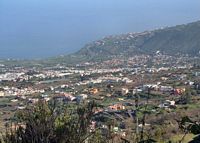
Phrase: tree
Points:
(50, 123)
(189, 126)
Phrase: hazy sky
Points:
(43, 28)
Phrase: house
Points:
(19, 125)
(2, 93)
(125, 91)
(164, 78)
(121, 99)
(69, 96)
(14, 100)
(81, 97)
(33, 100)
(21, 107)
(179, 91)
(98, 110)
(141, 125)
(166, 88)
(47, 99)
(167, 104)
(94, 91)
(150, 86)
(116, 129)
(137, 90)
(117, 107)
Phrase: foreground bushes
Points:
(50, 123)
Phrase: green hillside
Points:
(181, 39)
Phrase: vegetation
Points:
(48, 123)
(181, 39)
(189, 126)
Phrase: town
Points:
(167, 87)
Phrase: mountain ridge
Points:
(180, 39)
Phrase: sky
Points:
(45, 28)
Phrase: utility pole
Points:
(136, 116)
(144, 116)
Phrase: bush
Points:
(50, 123)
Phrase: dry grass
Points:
(177, 138)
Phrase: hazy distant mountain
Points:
(181, 39)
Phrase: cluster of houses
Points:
(112, 80)
(165, 89)
(13, 91)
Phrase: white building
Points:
(2, 93)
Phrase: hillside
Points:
(181, 39)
